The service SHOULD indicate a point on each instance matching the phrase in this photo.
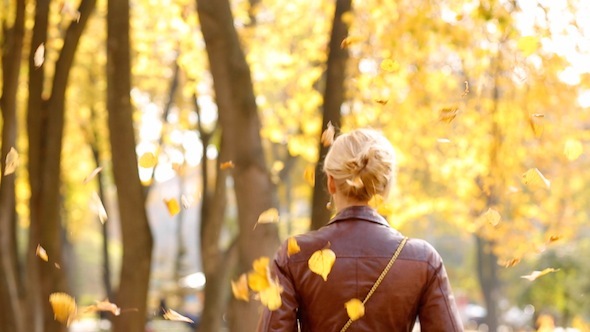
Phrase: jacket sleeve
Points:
(438, 311)
(283, 319)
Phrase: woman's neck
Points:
(342, 202)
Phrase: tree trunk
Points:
(45, 128)
(487, 273)
(136, 235)
(12, 314)
(241, 131)
(333, 99)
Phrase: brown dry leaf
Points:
(537, 274)
(270, 216)
(390, 65)
(355, 309)
(227, 165)
(41, 253)
(98, 208)
(105, 305)
(534, 178)
(309, 175)
(64, 307)
(448, 114)
(321, 262)
(148, 160)
(292, 246)
(270, 297)
(240, 288)
(173, 206)
(173, 315)
(39, 56)
(328, 135)
(92, 175)
(349, 41)
(11, 162)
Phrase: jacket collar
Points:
(361, 212)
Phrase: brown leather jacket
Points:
(415, 287)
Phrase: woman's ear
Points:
(331, 185)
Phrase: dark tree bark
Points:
(45, 121)
(333, 99)
(136, 235)
(240, 125)
(11, 297)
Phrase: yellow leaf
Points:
(534, 178)
(491, 216)
(173, 206)
(321, 262)
(554, 238)
(537, 274)
(41, 253)
(148, 160)
(173, 315)
(270, 297)
(227, 165)
(381, 101)
(11, 162)
(573, 149)
(309, 175)
(92, 175)
(260, 265)
(39, 56)
(511, 262)
(269, 216)
(349, 41)
(328, 135)
(528, 45)
(64, 307)
(355, 309)
(536, 124)
(448, 114)
(240, 288)
(258, 278)
(347, 18)
(98, 208)
(105, 305)
(292, 246)
(389, 65)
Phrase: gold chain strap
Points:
(380, 279)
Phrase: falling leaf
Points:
(64, 307)
(227, 165)
(69, 10)
(41, 253)
(57, 266)
(389, 65)
(491, 216)
(466, 91)
(349, 41)
(356, 182)
(270, 297)
(173, 315)
(98, 208)
(528, 45)
(92, 175)
(105, 305)
(309, 175)
(535, 122)
(11, 162)
(327, 137)
(534, 178)
(554, 238)
(448, 114)
(292, 246)
(537, 274)
(270, 216)
(148, 160)
(355, 309)
(240, 288)
(185, 202)
(382, 101)
(511, 262)
(39, 56)
(321, 262)
(573, 149)
(258, 277)
(173, 206)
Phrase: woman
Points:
(360, 165)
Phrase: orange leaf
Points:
(64, 307)
(227, 165)
(292, 246)
(173, 206)
(328, 135)
(240, 288)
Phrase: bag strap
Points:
(380, 279)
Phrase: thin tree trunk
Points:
(240, 125)
(12, 317)
(333, 99)
(45, 123)
(136, 235)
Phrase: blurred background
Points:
(141, 141)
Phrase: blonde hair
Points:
(362, 163)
